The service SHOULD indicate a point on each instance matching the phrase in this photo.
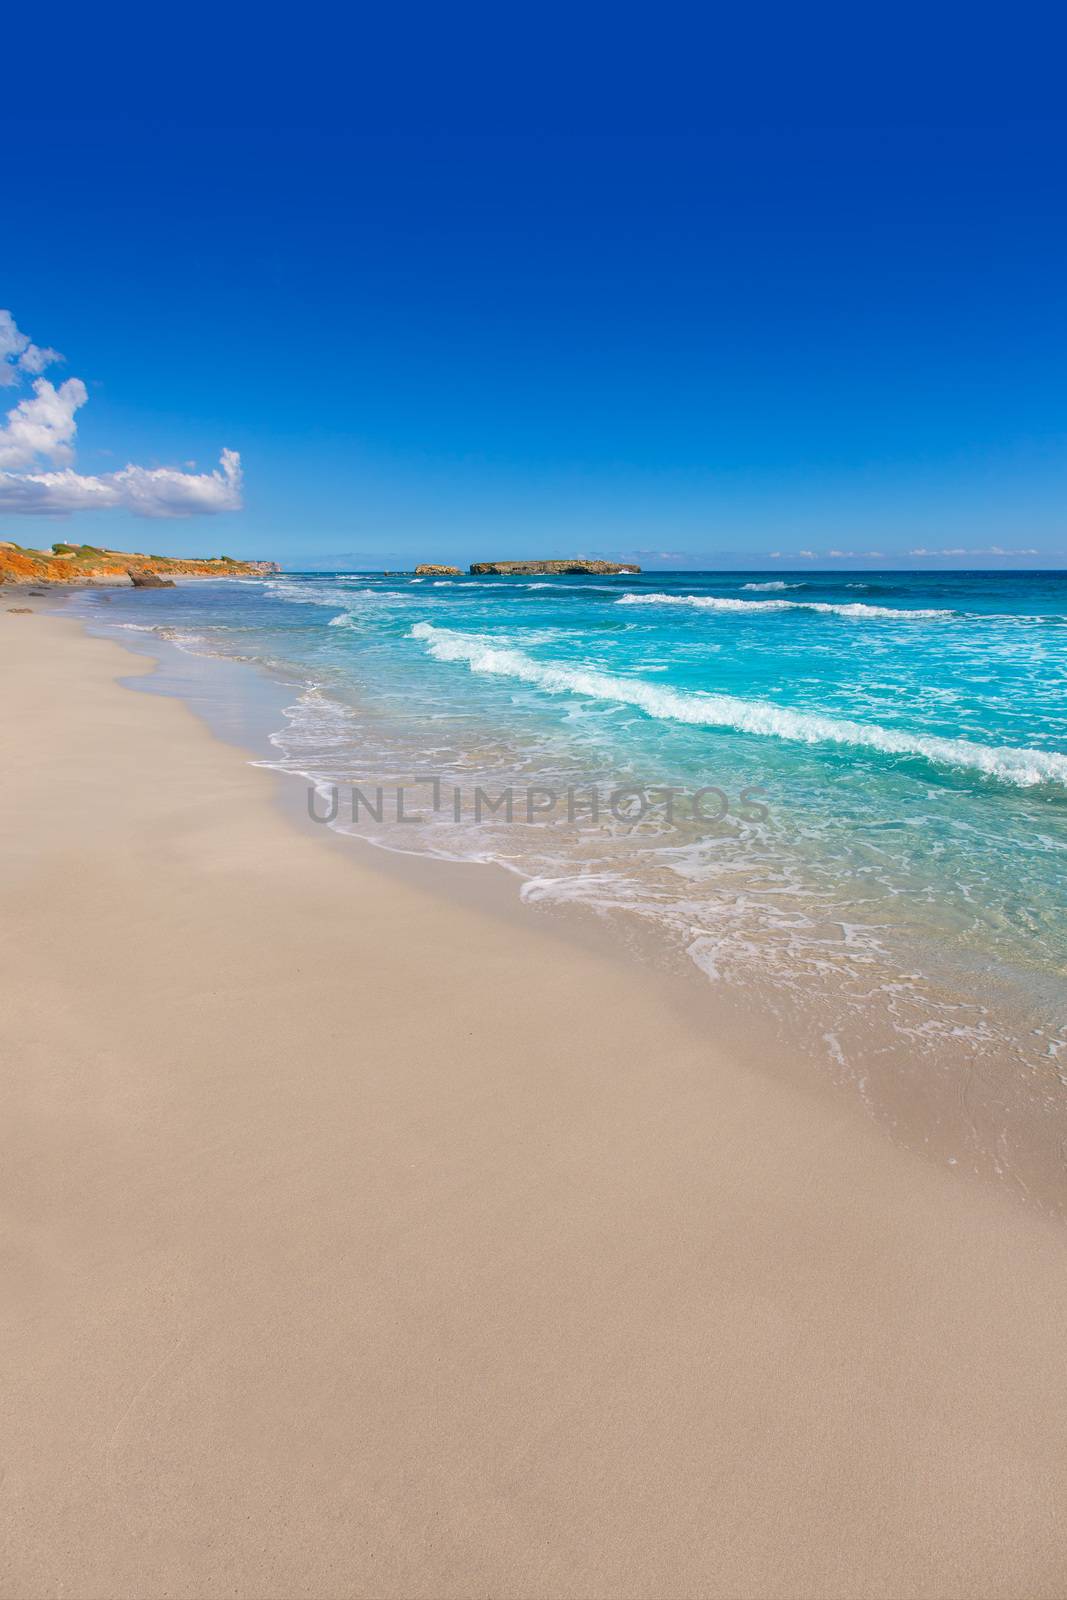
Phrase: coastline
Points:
(360, 1249)
(965, 1073)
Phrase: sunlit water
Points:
(889, 847)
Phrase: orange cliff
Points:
(72, 563)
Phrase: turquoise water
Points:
(906, 851)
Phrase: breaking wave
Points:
(1012, 764)
(709, 602)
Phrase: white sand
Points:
(359, 1243)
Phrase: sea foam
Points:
(710, 602)
(1012, 764)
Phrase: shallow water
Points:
(887, 849)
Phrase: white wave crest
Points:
(354, 615)
(1008, 763)
(710, 602)
(777, 584)
(327, 594)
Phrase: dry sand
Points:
(359, 1243)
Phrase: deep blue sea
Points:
(884, 760)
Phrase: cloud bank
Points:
(40, 430)
(881, 555)
(146, 491)
(988, 550)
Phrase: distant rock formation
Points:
(437, 572)
(599, 569)
(148, 580)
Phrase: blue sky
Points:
(490, 286)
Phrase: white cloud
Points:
(988, 550)
(850, 555)
(18, 354)
(43, 426)
(35, 359)
(39, 431)
(146, 491)
(880, 555)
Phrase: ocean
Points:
(844, 792)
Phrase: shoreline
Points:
(367, 1240)
(979, 1112)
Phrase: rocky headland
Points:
(84, 563)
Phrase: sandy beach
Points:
(364, 1242)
